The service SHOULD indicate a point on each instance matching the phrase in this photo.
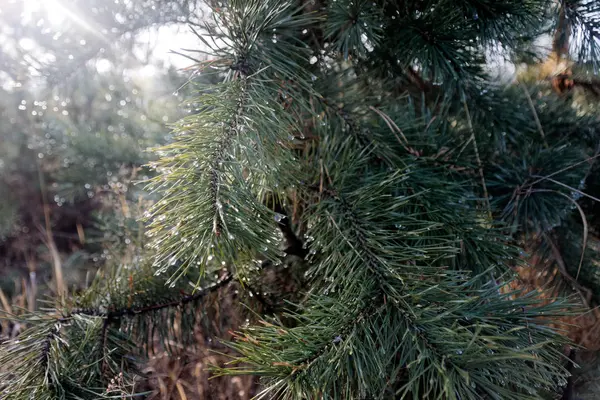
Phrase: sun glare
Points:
(55, 12)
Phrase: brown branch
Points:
(295, 246)
(132, 311)
(560, 43)
(114, 315)
(583, 220)
(417, 79)
(61, 288)
(562, 267)
(268, 308)
(535, 114)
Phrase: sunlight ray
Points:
(58, 13)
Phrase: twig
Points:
(46, 349)
(479, 163)
(180, 390)
(560, 42)
(353, 126)
(391, 124)
(5, 302)
(321, 176)
(563, 270)
(180, 302)
(32, 292)
(583, 220)
(568, 187)
(7, 309)
(564, 169)
(535, 114)
(229, 131)
(295, 246)
(131, 311)
(57, 264)
(417, 79)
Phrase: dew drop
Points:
(279, 217)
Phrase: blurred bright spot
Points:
(27, 44)
(148, 71)
(103, 65)
(55, 11)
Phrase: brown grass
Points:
(184, 372)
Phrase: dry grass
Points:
(185, 375)
(583, 328)
(184, 372)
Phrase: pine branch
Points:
(45, 356)
(365, 136)
(232, 129)
(352, 335)
(582, 22)
(140, 310)
(95, 327)
(227, 178)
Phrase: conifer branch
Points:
(230, 131)
(140, 310)
(360, 246)
(46, 353)
(369, 310)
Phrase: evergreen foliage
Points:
(365, 147)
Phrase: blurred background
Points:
(87, 87)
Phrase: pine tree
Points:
(364, 152)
